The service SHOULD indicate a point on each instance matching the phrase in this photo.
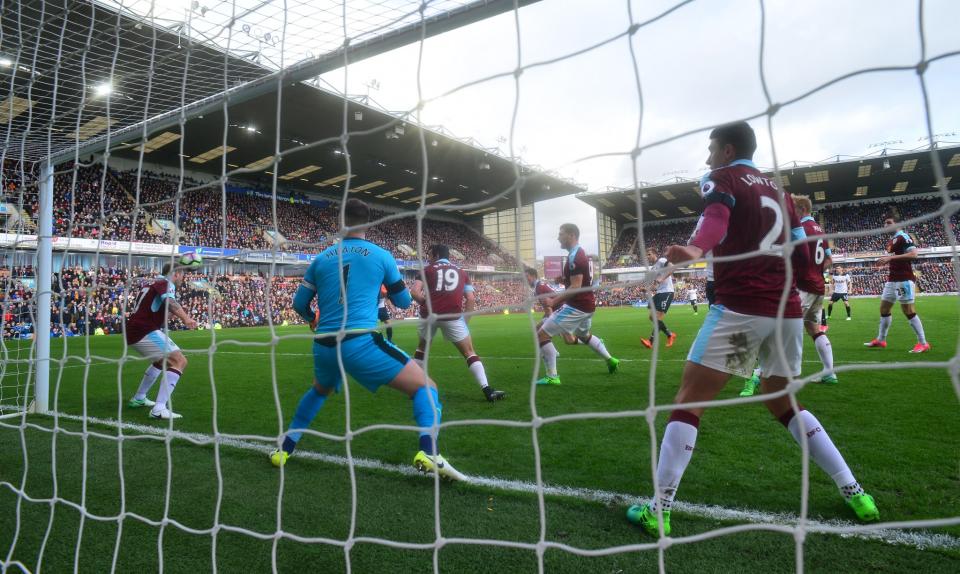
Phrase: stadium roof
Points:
(74, 77)
(877, 176)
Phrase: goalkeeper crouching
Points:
(349, 274)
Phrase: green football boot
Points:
(751, 387)
(613, 365)
(830, 380)
(646, 519)
(549, 381)
(864, 507)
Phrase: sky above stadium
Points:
(697, 66)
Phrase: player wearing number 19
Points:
(743, 216)
(446, 288)
(349, 274)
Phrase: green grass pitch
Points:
(898, 428)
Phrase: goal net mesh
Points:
(167, 63)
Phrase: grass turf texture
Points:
(897, 428)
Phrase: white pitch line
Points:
(918, 539)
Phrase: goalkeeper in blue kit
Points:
(367, 356)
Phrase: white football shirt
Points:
(665, 286)
(841, 284)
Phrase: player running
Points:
(362, 267)
(575, 308)
(900, 286)
(742, 214)
(692, 298)
(542, 292)
(145, 333)
(447, 288)
(662, 298)
(811, 286)
(841, 290)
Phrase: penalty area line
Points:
(919, 539)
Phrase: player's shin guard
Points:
(149, 377)
(830, 309)
(166, 388)
(822, 450)
(917, 327)
(885, 321)
(676, 449)
(477, 370)
(307, 409)
(598, 347)
(825, 350)
(549, 353)
(848, 311)
(427, 412)
(390, 334)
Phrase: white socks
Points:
(676, 449)
(477, 370)
(918, 328)
(166, 388)
(149, 378)
(825, 350)
(884, 327)
(822, 450)
(549, 353)
(598, 347)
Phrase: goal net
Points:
(137, 132)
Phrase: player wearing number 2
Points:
(900, 286)
(743, 216)
(811, 285)
(447, 288)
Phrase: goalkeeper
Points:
(366, 356)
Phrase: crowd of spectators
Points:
(833, 219)
(868, 217)
(103, 205)
(626, 251)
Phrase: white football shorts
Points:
(731, 342)
(453, 331)
(568, 320)
(812, 304)
(900, 291)
(155, 345)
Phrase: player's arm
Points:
(397, 290)
(910, 253)
(470, 301)
(417, 292)
(304, 297)
(576, 282)
(177, 310)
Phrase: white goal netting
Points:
(114, 112)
